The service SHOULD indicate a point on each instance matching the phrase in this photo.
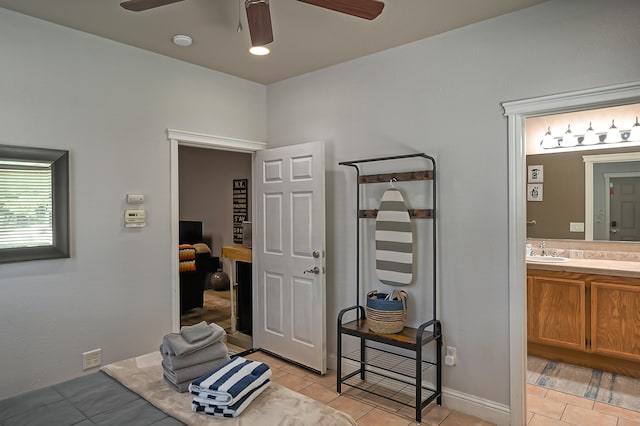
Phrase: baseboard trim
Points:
(485, 409)
(490, 411)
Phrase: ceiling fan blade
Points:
(140, 5)
(367, 9)
(259, 22)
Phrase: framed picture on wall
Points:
(239, 207)
(534, 192)
(535, 174)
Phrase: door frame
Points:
(197, 140)
(517, 112)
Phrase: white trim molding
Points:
(198, 140)
(215, 142)
(517, 112)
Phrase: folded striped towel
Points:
(200, 406)
(231, 382)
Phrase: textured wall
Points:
(109, 105)
(442, 96)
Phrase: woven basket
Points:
(386, 316)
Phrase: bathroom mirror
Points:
(567, 207)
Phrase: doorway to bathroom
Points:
(517, 113)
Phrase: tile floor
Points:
(371, 411)
(545, 406)
(549, 407)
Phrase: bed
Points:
(132, 392)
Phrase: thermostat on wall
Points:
(134, 218)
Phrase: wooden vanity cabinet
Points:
(556, 312)
(615, 320)
(585, 319)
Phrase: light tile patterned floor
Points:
(549, 407)
(366, 412)
(545, 407)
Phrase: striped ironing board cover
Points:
(394, 240)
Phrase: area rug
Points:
(277, 405)
(216, 299)
(216, 308)
(601, 386)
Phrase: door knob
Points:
(314, 270)
(316, 254)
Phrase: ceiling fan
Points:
(259, 17)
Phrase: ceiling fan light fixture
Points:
(365, 9)
(259, 22)
(140, 5)
(259, 50)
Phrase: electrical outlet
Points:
(576, 254)
(450, 356)
(576, 226)
(91, 359)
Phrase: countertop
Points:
(592, 266)
(239, 253)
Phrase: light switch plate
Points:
(135, 198)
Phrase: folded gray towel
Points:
(194, 333)
(209, 353)
(193, 372)
(180, 387)
(174, 344)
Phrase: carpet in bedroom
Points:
(216, 308)
(600, 386)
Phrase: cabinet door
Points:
(557, 312)
(615, 320)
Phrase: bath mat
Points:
(394, 240)
(601, 386)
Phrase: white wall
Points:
(442, 96)
(110, 106)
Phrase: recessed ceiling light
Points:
(259, 50)
(182, 40)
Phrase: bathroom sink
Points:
(547, 259)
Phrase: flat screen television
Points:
(190, 232)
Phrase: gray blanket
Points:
(94, 399)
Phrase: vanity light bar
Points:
(552, 142)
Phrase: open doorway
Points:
(206, 198)
(517, 112)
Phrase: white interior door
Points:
(624, 201)
(289, 253)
